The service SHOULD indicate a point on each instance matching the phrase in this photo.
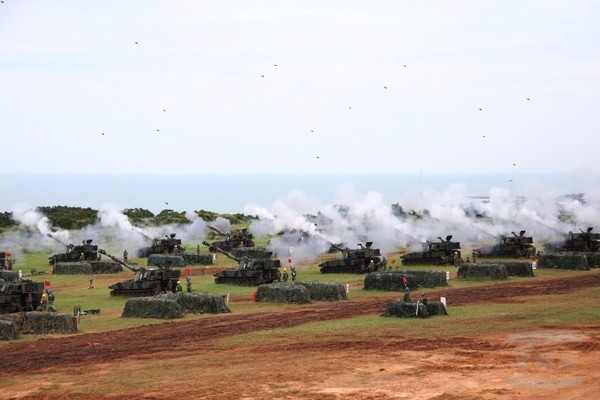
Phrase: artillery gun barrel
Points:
(210, 246)
(337, 247)
(115, 259)
(216, 230)
(52, 237)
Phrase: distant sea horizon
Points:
(230, 193)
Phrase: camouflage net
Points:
(482, 271)
(8, 331)
(593, 259)
(152, 307)
(393, 280)
(200, 259)
(198, 303)
(324, 291)
(515, 268)
(8, 277)
(37, 322)
(166, 260)
(73, 268)
(403, 309)
(102, 267)
(250, 252)
(282, 293)
(564, 261)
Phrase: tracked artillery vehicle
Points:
(515, 246)
(435, 253)
(147, 282)
(576, 242)
(84, 252)
(169, 245)
(14, 292)
(354, 261)
(250, 271)
(233, 240)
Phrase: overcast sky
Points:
(396, 86)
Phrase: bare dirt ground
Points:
(186, 358)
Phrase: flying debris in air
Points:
(262, 76)
(318, 157)
(311, 130)
(349, 108)
(514, 165)
(385, 87)
(274, 65)
(483, 135)
(100, 133)
(164, 110)
(166, 203)
(158, 130)
(136, 43)
(404, 65)
(528, 99)
(481, 109)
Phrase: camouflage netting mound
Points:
(198, 303)
(37, 322)
(564, 261)
(250, 252)
(8, 331)
(593, 259)
(73, 268)
(102, 267)
(393, 280)
(482, 271)
(200, 259)
(165, 260)
(324, 291)
(8, 277)
(401, 309)
(152, 307)
(282, 293)
(515, 268)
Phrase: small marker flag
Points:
(46, 283)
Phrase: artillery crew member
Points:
(424, 299)
(285, 275)
(406, 297)
(189, 283)
(43, 302)
(178, 288)
(125, 254)
(293, 269)
(51, 301)
(29, 302)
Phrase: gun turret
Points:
(215, 248)
(118, 261)
(335, 246)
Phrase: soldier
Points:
(406, 297)
(82, 257)
(424, 299)
(189, 283)
(125, 254)
(371, 266)
(293, 269)
(285, 275)
(170, 286)
(178, 288)
(29, 302)
(43, 301)
(51, 301)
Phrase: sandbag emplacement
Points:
(324, 291)
(8, 331)
(38, 322)
(393, 280)
(152, 307)
(564, 261)
(282, 293)
(199, 259)
(522, 269)
(166, 260)
(482, 271)
(198, 303)
(73, 268)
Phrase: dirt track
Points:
(60, 352)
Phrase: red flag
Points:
(393, 261)
(46, 283)
(188, 271)
(289, 260)
(8, 254)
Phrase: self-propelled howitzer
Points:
(250, 271)
(233, 240)
(84, 252)
(147, 282)
(354, 261)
